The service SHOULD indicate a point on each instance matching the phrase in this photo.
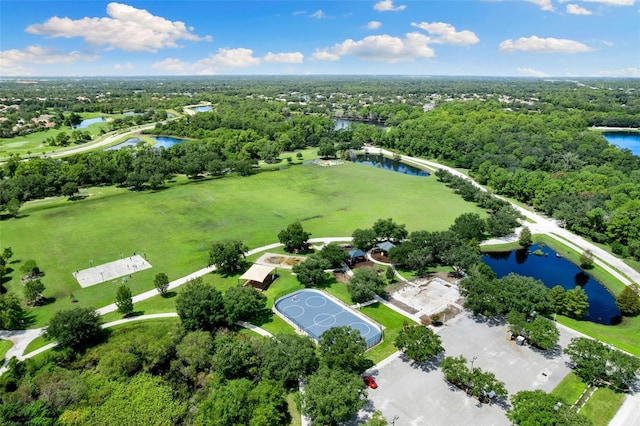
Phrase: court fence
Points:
(370, 342)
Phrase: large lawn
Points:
(175, 226)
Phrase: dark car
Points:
(370, 381)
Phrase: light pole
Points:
(472, 360)
(393, 421)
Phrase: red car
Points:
(370, 381)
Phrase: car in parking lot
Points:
(370, 381)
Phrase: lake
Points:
(203, 108)
(161, 141)
(382, 162)
(133, 142)
(552, 270)
(629, 140)
(88, 122)
(166, 141)
(343, 123)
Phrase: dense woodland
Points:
(526, 139)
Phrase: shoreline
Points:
(615, 129)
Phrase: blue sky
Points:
(539, 38)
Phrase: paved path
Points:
(544, 225)
(22, 338)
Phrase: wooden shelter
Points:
(259, 276)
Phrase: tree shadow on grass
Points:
(265, 316)
(170, 294)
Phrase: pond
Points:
(343, 123)
(88, 122)
(203, 108)
(553, 270)
(629, 140)
(166, 141)
(382, 162)
(133, 142)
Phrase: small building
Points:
(385, 247)
(356, 256)
(259, 276)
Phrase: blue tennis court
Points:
(314, 313)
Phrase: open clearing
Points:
(175, 226)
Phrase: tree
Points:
(575, 303)
(474, 382)
(332, 396)
(74, 328)
(161, 282)
(200, 306)
(600, 365)
(343, 347)
(311, 272)
(13, 207)
(288, 358)
(142, 400)
(30, 268)
(124, 302)
(525, 240)
(326, 150)
(469, 226)
(234, 357)
(227, 256)
(364, 239)
(542, 333)
(538, 408)
(241, 402)
(294, 238)
(11, 312)
(418, 343)
(557, 296)
(334, 255)
(33, 292)
(194, 353)
(243, 303)
(586, 259)
(365, 284)
(628, 301)
(387, 229)
(7, 253)
(502, 222)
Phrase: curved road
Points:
(543, 225)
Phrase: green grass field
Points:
(5, 345)
(569, 389)
(174, 227)
(602, 406)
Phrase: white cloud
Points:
(574, 9)
(223, 60)
(20, 62)
(318, 14)
(613, 2)
(324, 55)
(544, 4)
(543, 45)
(384, 48)
(532, 73)
(446, 33)
(387, 6)
(299, 12)
(623, 72)
(125, 66)
(374, 25)
(126, 28)
(290, 57)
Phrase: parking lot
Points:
(419, 395)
